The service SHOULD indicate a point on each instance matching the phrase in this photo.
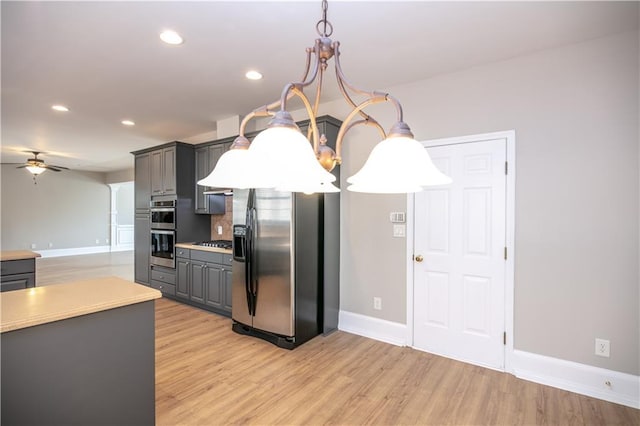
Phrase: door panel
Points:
(213, 277)
(197, 281)
(460, 232)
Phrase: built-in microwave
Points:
(163, 214)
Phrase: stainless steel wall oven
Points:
(163, 247)
(163, 214)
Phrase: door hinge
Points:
(504, 338)
(505, 253)
(506, 167)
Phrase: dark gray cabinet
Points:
(142, 248)
(17, 274)
(142, 182)
(204, 279)
(163, 171)
(206, 158)
(163, 279)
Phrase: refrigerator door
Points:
(274, 309)
(240, 311)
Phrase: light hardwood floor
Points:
(208, 375)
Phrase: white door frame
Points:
(510, 137)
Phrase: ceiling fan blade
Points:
(53, 169)
(22, 167)
(57, 167)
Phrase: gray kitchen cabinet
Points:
(204, 279)
(142, 182)
(206, 158)
(17, 274)
(142, 247)
(163, 171)
(183, 274)
(214, 285)
(163, 279)
(198, 279)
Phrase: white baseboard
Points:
(579, 378)
(373, 328)
(122, 247)
(74, 251)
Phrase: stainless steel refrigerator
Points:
(277, 284)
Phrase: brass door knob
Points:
(419, 258)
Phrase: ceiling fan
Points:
(37, 166)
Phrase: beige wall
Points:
(575, 113)
(69, 209)
(120, 176)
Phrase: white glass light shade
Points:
(281, 157)
(309, 189)
(36, 170)
(229, 171)
(397, 165)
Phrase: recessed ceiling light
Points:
(253, 75)
(60, 108)
(128, 123)
(171, 37)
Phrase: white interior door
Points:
(459, 231)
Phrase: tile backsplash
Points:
(224, 220)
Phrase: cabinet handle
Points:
(222, 269)
(161, 287)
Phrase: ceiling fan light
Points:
(398, 164)
(36, 170)
(283, 157)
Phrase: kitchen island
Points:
(79, 353)
(18, 269)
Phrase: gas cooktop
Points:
(226, 244)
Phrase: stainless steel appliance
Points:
(163, 214)
(277, 265)
(225, 244)
(163, 247)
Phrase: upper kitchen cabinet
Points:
(142, 181)
(163, 171)
(206, 158)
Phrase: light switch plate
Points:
(399, 231)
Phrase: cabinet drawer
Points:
(165, 277)
(227, 259)
(17, 282)
(206, 256)
(183, 252)
(164, 287)
(23, 266)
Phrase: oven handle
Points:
(157, 231)
(162, 209)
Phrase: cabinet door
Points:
(202, 171)
(226, 301)
(156, 172)
(17, 281)
(142, 181)
(169, 171)
(183, 267)
(198, 270)
(215, 152)
(214, 286)
(142, 244)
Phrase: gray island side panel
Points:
(92, 369)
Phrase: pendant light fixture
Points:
(282, 157)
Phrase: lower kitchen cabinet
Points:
(204, 279)
(163, 279)
(18, 274)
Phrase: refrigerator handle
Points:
(248, 252)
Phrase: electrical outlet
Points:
(33, 245)
(377, 303)
(97, 241)
(219, 230)
(50, 245)
(602, 347)
(106, 241)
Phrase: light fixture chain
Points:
(325, 23)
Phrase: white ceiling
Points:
(104, 60)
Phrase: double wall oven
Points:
(163, 232)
